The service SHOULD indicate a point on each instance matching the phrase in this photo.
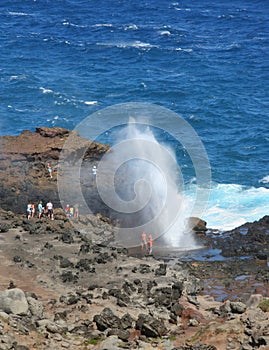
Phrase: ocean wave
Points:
(231, 205)
(18, 77)
(180, 49)
(15, 13)
(123, 45)
(264, 180)
(165, 32)
(90, 103)
(70, 24)
(131, 27)
(46, 91)
(103, 25)
(182, 8)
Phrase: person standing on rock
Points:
(143, 241)
(76, 214)
(50, 210)
(50, 170)
(150, 244)
(28, 210)
(40, 209)
(67, 210)
(32, 210)
(71, 211)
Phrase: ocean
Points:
(208, 61)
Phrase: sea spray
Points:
(148, 188)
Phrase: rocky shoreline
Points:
(67, 286)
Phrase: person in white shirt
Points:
(50, 210)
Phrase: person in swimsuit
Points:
(150, 244)
(143, 241)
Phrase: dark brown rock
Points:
(23, 160)
(197, 225)
(150, 326)
(106, 319)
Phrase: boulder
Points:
(106, 319)
(35, 307)
(150, 326)
(197, 225)
(13, 301)
(238, 307)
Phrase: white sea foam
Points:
(131, 27)
(231, 205)
(103, 25)
(91, 103)
(46, 91)
(123, 45)
(185, 50)
(165, 32)
(18, 77)
(14, 13)
(66, 23)
(264, 180)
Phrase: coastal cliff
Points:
(24, 159)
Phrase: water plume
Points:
(141, 180)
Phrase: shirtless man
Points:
(143, 241)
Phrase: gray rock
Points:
(4, 316)
(193, 285)
(254, 300)
(13, 301)
(161, 271)
(226, 307)
(122, 334)
(4, 227)
(35, 307)
(6, 342)
(126, 321)
(177, 309)
(238, 307)
(53, 327)
(110, 343)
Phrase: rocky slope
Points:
(65, 285)
(63, 288)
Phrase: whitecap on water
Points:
(231, 205)
(264, 180)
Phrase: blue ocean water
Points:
(208, 61)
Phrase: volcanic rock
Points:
(150, 326)
(24, 160)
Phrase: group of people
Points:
(41, 210)
(147, 243)
(72, 212)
